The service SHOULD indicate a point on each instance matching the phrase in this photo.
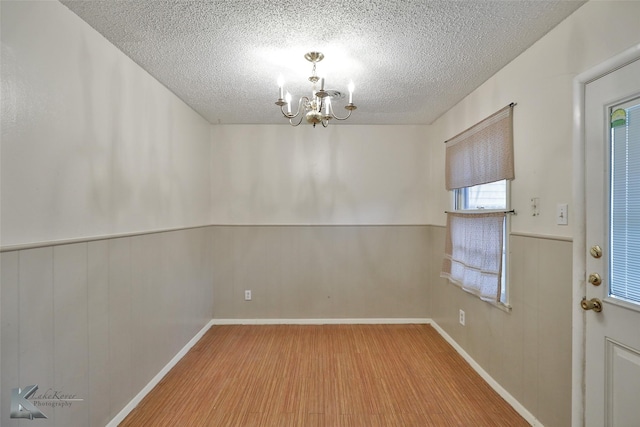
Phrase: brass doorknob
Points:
(591, 304)
(595, 279)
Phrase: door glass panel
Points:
(624, 280)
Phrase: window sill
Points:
(500, 305)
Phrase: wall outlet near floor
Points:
(462, 317)
(247, 295)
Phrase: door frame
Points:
(578, 341)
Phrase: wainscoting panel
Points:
(526, 350)
(70, 333)
(9, 332)
(98, 329)
(120, 324)
(317, 272)
(100, 319)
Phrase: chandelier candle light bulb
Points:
(311, 108)
(280, 86)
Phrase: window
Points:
(478, 167)
(625, 203)
(483, 196)
(491, 196)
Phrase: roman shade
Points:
(483, 153)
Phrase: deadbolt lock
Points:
(595, 279)
(591, 304)
(596, 251)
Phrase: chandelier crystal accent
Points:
(316, 109)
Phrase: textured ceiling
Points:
(410, 60)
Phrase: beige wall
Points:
(318, 223)
(321, 221)
(540, 82)
(528, 351)
(100, 319)
(93, 146)
(341, 175)
(321, 272)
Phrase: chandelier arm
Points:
(295, 124)
(340, 118)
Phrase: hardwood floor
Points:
(323, 375)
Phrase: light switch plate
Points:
(562, 214)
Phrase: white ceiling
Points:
(410, 60)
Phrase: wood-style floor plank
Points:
(324, 376)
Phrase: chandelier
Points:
(317, 108)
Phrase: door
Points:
(612, 151)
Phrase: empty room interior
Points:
(156, 188)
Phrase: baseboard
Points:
(155, 380)
(354, 321)
(528, 416)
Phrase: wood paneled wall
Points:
(321, 272)
(100, 319)
(528, 350)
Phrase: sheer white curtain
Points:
(473, 253)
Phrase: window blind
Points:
(625, 208)
(483, 153)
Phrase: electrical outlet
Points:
(247, 295)
(462, 317)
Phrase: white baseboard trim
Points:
(155, 380)
(355, 321)
(528, 416)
